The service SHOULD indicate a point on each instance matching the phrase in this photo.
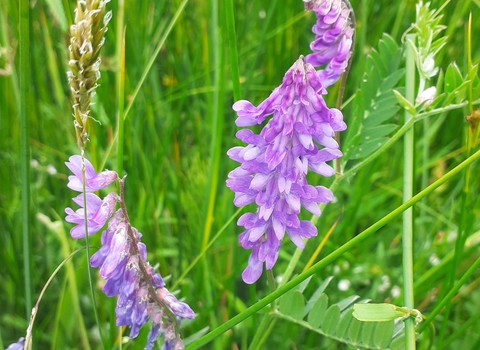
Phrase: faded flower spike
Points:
(141, 292)
(274, 164)
(86, 40)
(334, 33)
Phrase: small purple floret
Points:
(98, 212)
(274, 164)
(93, 181)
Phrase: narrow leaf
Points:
(330, 322)
(317, 295)
(405, 103)
(453, 78)
(383, 334)
(367, 148)
(345, 303)
(355, 331)
(317, 314)
(367, 333)
(345, 320)
(379, 115)
(377, 132)
(378, 312)
(398, 343)
(297, 306)
(392, 80)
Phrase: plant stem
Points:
(141, 263)
(408, 173)
(24, 71)
(120, 82)
(87, 251)
(331, 257)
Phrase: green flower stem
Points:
(408, 174)
(331, 257)
(120, 82)
(24, 72)
(87, 251)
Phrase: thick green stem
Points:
(408, 174)
(331, 257)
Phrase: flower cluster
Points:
(122, 260)
(274, 164)
(334, 33)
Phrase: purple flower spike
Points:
(334, 33)
(98, 212)
(274, 165)
(93, 181)
(122, 260)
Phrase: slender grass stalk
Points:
(24, 72)
(332, 256)
(232, 48)
(87, 253)
(408, 174)
(120, 82)
(154, 56)
(145, 73)
(28, 337)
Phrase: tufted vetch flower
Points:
(273, 166)
(122, 259)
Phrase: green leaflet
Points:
(375, 103)
(337, 322)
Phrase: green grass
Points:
(180, 77)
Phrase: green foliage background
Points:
(176, 137)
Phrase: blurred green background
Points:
(176, 137)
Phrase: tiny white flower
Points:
(427, 96)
